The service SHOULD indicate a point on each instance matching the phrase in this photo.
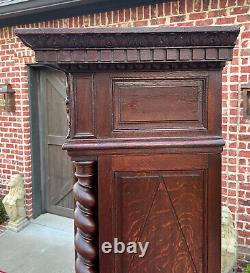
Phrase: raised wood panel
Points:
(157, 104)
(83, 123)
(165, 209)
(141, 104)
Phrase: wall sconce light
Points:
(7, 98)
(246, 99)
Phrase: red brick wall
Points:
(14, 128)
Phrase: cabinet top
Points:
(128, 37)
(149, 29)
(150, 48)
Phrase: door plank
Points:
(58, 196)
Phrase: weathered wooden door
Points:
(58, 170)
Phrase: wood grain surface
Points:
(145, 105)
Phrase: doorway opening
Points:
(53, 170)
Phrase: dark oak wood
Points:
(165, 208)
(132, 48)
(85, 218)
(83, 99)
(179, 105)
(135, 108)
(186, 194)
(144, 109)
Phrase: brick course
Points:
(15, 146)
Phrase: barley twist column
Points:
(85, 214)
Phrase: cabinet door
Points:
(171, 201)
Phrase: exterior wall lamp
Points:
(7, 98)
(246, 100)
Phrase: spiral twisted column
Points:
(85, 218)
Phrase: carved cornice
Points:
(131, 45)
(128, 37)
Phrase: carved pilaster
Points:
(67, 106)
(85, 218)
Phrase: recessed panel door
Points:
(162, 200)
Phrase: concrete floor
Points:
(45, 246)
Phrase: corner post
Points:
(85, 218)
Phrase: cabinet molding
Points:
(131, 45)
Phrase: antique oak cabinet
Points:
(144, 108)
